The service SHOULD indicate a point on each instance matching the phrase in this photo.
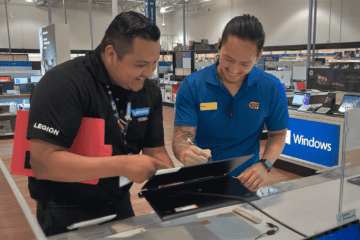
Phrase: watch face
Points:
(267, 163)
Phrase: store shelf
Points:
(169, 104)
(7, 134)
(345, 61)
(7, 114)
(171, 83)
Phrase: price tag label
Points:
(346, 217)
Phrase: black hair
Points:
(245, 27)
(123, 30)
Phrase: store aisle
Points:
(13, 224)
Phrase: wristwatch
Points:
(266, 163)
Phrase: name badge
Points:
(254, 105)
(208, 106)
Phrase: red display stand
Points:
(88, 142)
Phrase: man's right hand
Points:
(196, 155)
(141, 167)
(188, 154)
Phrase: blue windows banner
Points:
(311, 141)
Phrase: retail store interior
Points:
(311, 46)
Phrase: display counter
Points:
(315, 140)
(308, 204)
(18, 98)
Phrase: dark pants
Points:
(54, 219)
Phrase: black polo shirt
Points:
(77, 89)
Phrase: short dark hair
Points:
(245, 27)
(123, 30)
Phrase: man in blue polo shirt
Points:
(224, 107)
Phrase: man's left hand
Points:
(253, 177)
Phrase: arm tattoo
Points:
(181, 134)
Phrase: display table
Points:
(308, 204)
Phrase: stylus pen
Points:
(331, 168)
(189, 141)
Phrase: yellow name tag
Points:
(208, 106)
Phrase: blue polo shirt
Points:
(203, 102)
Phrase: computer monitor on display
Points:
(348, 231)
(19, 81)
(7, 86)
(35, 78)
(350, 101)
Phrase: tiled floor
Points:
(13, 224)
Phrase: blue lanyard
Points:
(124, 125)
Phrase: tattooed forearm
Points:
(179, 144)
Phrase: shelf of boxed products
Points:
(8, 115)
(169, 90)
(7, 134)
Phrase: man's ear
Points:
(259, 56)
(110, 55)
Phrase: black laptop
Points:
(169, 201)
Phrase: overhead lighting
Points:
(166, 9)
(29, 0)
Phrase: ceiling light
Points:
(29, 0)
(162, 10)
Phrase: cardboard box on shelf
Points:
(168, 89)
(168, 97)
(187, 71)
(179, 71)
(162, 93)
(6, 57)
(21, 57)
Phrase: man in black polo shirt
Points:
(108, 83)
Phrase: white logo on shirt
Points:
(46, 128)
(142, 119)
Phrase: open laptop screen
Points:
(349, 231)
(298, 99)
(349, 102)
